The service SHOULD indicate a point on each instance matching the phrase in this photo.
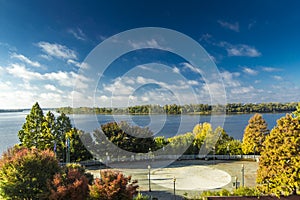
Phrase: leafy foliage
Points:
(140, 196)
(72, 183)
(31, 132)
(24, 173)
(130, 138)
(254, 134)
(78, 151)
(241, 191)
(185, 109)
(113, 185)
(47, 132)
(279, 164)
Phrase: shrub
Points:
(24, 173)
(113, 185)
(70, 184)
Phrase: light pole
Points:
(243, 175)
(106, 159)
(254, 151)
(68, 150)
(235, 182)
(149, 178)
(174, 182)
(228, 148)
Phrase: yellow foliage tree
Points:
(254, 134)
(279, 164)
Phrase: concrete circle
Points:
(191, 178)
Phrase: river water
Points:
(161, 125)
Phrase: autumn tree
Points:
(71, 183)
(113, 185)
(24, 173)
(201, 131)
(296, 113)
(279, 163)
(254, 134)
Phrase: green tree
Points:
(31, 131)
(234, 147)
(130, 138)
(78, 151)
(223, 141)
(254, 134)
(47, 134)
(63, 125)
(24, 173)
(279, 163)
(113, 185)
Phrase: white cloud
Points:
(176, 70)
(57, 50)
(82, 65)
(228, 79)
(242, 90)
(192, 68)
(46, 57)
(52, 88)
(147, 44)
(5, 86)
(277, 78)
(192, 82)
(271, 69)
(240, 50)
(19, 70)
(250, 71)
(25, 59)
(78, 34)
(231, 26)
(67, 79)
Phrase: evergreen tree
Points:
(78, 151)
(63, 125)
(46, 138)
(30, 133)
(279, 164)
(254, 134)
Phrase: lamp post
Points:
(68, 150)
(235, 178)
(107, 158)
(254, 151)
(243, 175)
(174, 182)
(228, 148)
(149, 178)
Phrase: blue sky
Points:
(44, 44)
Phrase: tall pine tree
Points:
(32, 129)
(254, 134)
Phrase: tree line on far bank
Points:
(230, 108)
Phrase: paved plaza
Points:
(192, 176)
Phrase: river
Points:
(161, 125)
